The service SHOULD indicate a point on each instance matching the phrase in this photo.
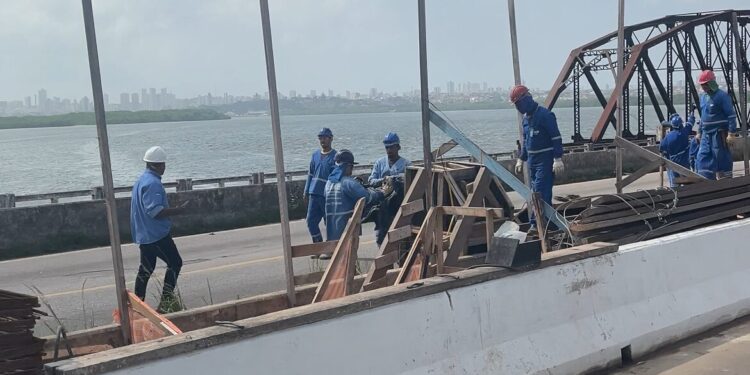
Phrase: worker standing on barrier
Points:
(542, 144)
(676, 144)
(151, 229)
(321, 165)
(342, 193)
(718, 124)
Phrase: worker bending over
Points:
(542, 143)
(342, 193)
(321, 165)
(718, 123)
(391, 164)
(151, 229)
(676, 144)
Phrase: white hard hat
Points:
(155, 154)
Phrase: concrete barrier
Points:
(28, 231)
(569, 317)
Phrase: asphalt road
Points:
(218, 267)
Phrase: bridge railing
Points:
(185, 184)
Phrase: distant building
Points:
(451, 86)
(373, 93)
(134, 102)
(313, 93)
(330, 93)
(124, 101)
(292, 93)
(42, 100)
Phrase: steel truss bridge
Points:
(657, 53)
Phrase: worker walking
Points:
(151, 228)
(676, 144)
(718, 124)
(542, 144)
(321, 165)
(392, 164)
(342, 193)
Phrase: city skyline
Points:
(197, 47)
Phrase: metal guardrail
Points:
(187, 184)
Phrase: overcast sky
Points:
(195, 46)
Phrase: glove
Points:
(691, 119)
(519, 166)
(387, 188)
(558, 166)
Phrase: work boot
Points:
(325, 256)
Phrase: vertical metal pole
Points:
(620, 97)
(517, 71)
(109, 193)
(427, 148)
(278, 151)
(742, 58)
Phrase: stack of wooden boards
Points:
(632, 217)
(20, 351)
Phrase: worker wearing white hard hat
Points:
(151, 228)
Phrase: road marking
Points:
(217, 268)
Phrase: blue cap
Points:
(675, 122)
(344, 157)
(325, 132)
(391, 139)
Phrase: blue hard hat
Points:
(344, 157)
(391, 139)
(325, 132)
(676, 121)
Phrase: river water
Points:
(59, 159)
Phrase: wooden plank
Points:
(151, 315)
(583, 227)
(460, 233)
(399, 234)
(438, 240)
(470, 211)
(490, 225)
(648, 155)
(343, 258)
(505, 202)
(648, 168)
(541, 223)
(416, 190)
(317, 248)
(411, 257)
(386, 260)
(443, 149)
(408, 209)
(308, 278)
(455, 189)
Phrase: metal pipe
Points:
(109, 194)
(278, 151)
(426, 146)
(741, 56)
(516, 71)
(620, 97)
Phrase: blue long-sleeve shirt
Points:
(381, 169)
(717, 112)
(321, 166)
(148, 200)
(676, 144)
(541, 134)
(341, 196)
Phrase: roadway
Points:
(218, 267)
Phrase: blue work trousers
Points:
(316, 211)
(542, 177)
(714, 156)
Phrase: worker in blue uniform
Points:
(675, 145)
(718, 123)
(342, 192)
(693, 151)
(542, 144)
(321, 165)
(392, 164)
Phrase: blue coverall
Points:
(694, 146)
(717, 117)
(675, 147)
(342, 193)
(542, 144)
(321, 166)
(381, 169)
